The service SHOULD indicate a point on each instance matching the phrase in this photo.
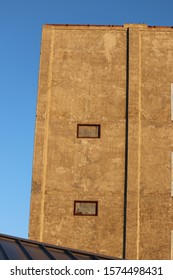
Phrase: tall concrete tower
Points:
(102, 168)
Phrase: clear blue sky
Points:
(20, 36)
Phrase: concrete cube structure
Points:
(102, 168)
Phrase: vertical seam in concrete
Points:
(126, 148)
(171, 101)
(46, 137)
(171, 174)
(139, 151)
(171, 244)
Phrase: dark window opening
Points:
(86, 208)
(88, 130)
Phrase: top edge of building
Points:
(126, 25)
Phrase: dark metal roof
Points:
(14, 248)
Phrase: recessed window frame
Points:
(89, 125)
(86, 201)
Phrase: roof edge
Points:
(126, 25)
(77, 251)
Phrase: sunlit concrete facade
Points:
(116, 79)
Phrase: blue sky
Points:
(20, 36)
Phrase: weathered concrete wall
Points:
(84, 79)
(150, 143)
(156, 220)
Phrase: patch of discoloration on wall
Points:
(109, 45)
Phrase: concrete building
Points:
(102, 169)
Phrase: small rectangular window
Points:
(88, 131)
(86, 208)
